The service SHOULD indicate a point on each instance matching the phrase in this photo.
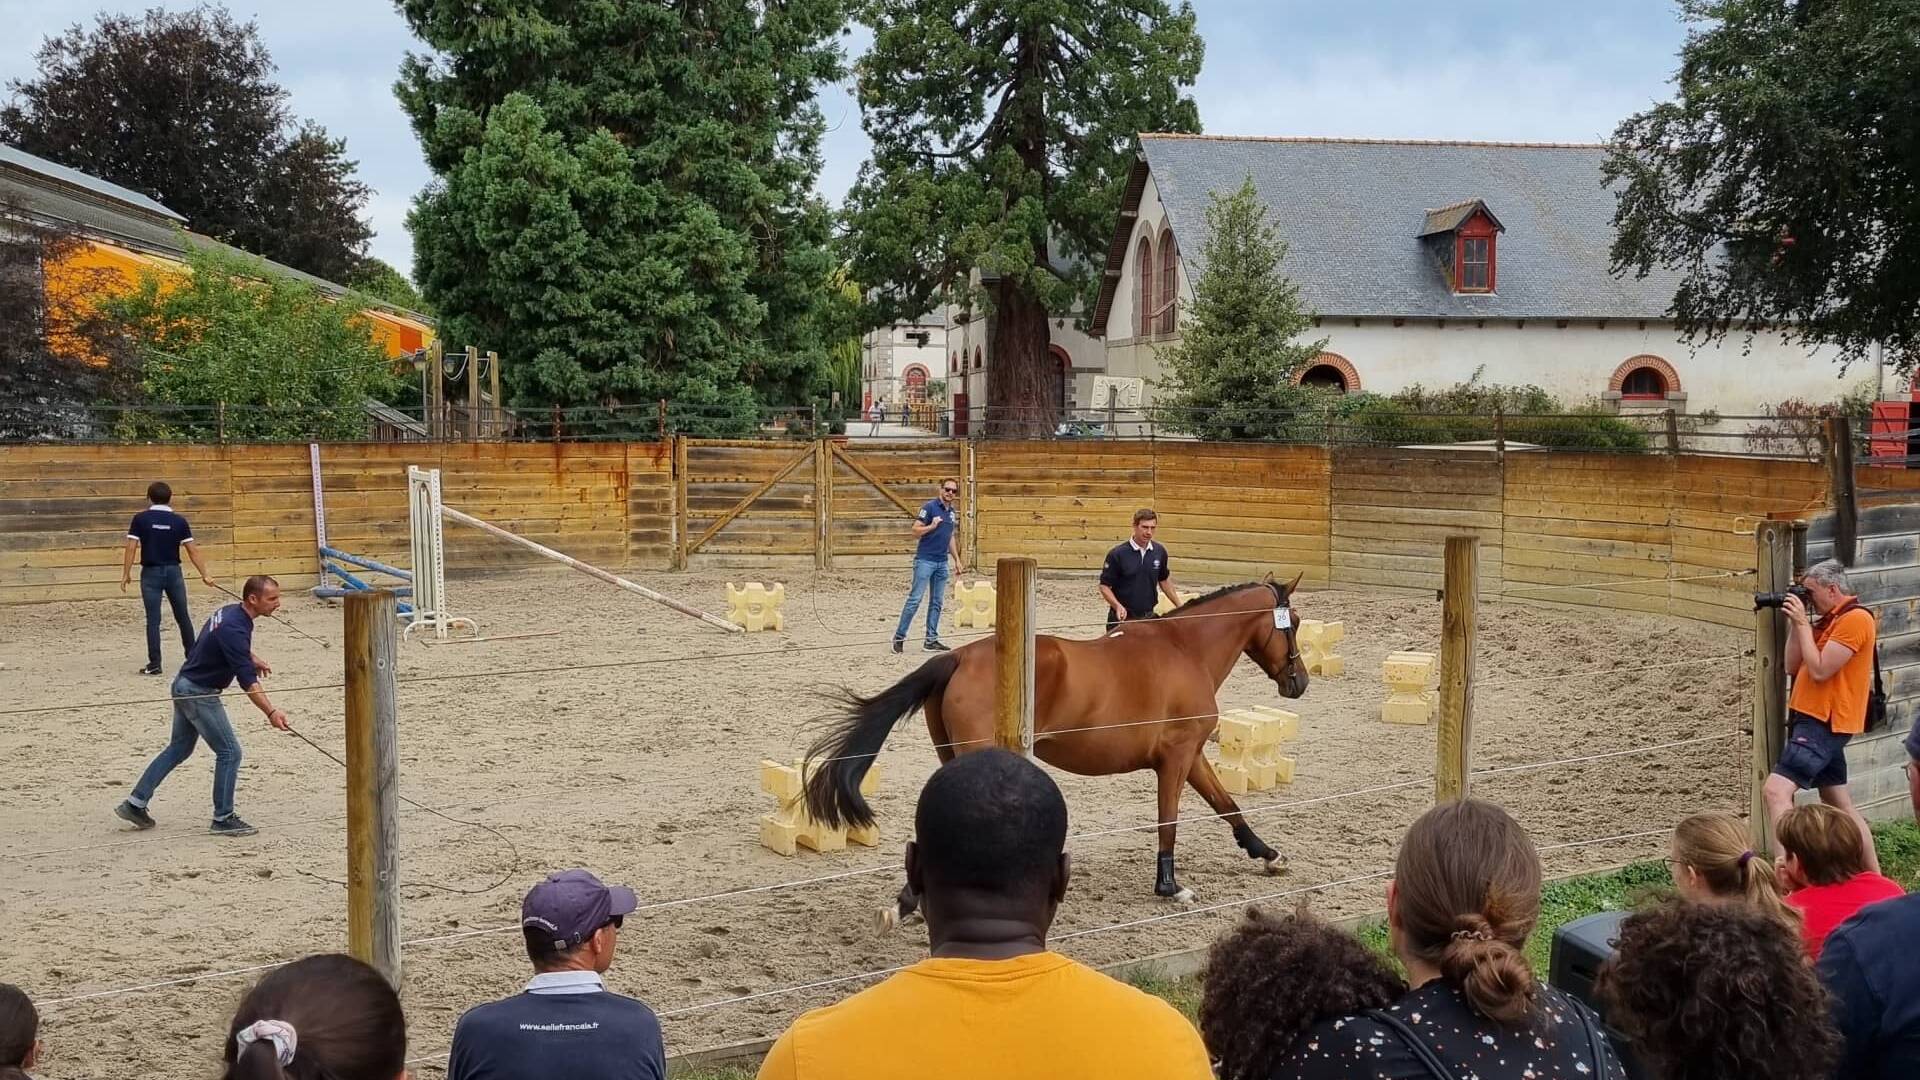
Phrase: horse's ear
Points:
(1295, 583)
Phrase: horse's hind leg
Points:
(908, 902)
(1204, 781)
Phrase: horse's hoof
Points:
(1184, 896)
(887, 919)
(1277, 864)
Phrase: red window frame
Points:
(1485, 262)
(1143, 293)
(1651, 372)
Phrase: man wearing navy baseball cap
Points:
(566, 1022)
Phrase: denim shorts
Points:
(1814, 756)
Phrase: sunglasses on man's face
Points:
(617, 921)
(949, 491)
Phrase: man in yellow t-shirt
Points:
(1832, 669)
(989, 861)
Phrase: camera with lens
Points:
(1779, 599)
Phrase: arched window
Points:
(916, 380)
(1169, 289)
(1644, 378)
(1330, 371)
(1143, 290)
(980, 360)
(1061, 377)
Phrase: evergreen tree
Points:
(1231, 374)
(1783, 180)
(1003, 132)
(182, 106)
(624, 200)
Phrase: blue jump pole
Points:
(366, 563)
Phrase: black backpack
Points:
(1877, 696)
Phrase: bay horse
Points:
(1098, 707)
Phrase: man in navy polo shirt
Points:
(223, 655)
(1868, 965)
(939, 541)
(565, 1023)
(159, 534)
(1134, 571)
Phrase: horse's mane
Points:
(1215, 595)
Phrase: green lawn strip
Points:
(1560, 902)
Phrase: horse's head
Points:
(1275, 647)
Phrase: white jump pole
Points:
(589, 569)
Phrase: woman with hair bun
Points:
(1711, 862)
(327, 1017)
(1464, 896)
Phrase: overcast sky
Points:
(1474, 69)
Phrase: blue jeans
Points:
(929, 575)
(168, 581)
(196, 718)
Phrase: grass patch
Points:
(1561, 902)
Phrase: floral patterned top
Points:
(1473, 1047)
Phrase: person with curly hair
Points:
(1709, 991)
(1272, 977)
(1711, 860)
(1464, 896)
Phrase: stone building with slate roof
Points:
(1424, 262)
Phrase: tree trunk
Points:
(1018, 401)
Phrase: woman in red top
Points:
(1822, 864)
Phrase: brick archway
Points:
(1668, 376)
(1348, 374)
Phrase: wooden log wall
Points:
(1394, 509)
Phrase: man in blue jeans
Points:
(222, 655)
(159, 534)
(939, 541)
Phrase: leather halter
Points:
(1293, 642)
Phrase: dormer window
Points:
(1463, 238)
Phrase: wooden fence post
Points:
(496, 411)
(373, 784)
(1673, 432)
(1453, 743)
(1013, 653)
(473, 392)
(1846, 507)
(682, 520)
(822, 502)
(1773, 560)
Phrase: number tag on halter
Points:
(1282, 618)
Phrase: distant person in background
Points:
(19, 1033)
(1715, 992)
(327, 1017)
(223, 655)
(992, 1002)
(159, 534)
(1868, 964)
(1827, 880)
(1272, 977)
(879, 415)
(1710, 861)
(565, 1023)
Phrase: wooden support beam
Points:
(822, 505)
(1773, 562)
(1459, 616)
(1013, 654)
(1846, 505)
(373, 785)
(740, 507)
(861, 471)
(682, 519)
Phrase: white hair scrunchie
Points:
(278, 1032)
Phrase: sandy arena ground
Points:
(648, 775)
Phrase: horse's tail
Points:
(847, 751)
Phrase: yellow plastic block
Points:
(790, 827)
(1412, 670)
(977, 602)
(753, 606)
(1317, 640)
(1250, 740)
(1165, 605)
(1416, 709)
(1407, 675)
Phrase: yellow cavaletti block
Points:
(1409, 701)
(790, 827)
(1250, 741)
(753, 606)
(977, 604)
(1316, 640)
(1165, 605)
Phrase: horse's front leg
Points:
(1207, 783)
(1171, 776)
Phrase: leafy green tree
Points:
(182, 106)
(284, 359)
(381, 281)
(1231, 374)
(1783, 180)
(624, 201)
(1003, 132)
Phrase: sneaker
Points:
(135, 816)
(231, 826)
(152, 669)
(899, 644)
(936, 646)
